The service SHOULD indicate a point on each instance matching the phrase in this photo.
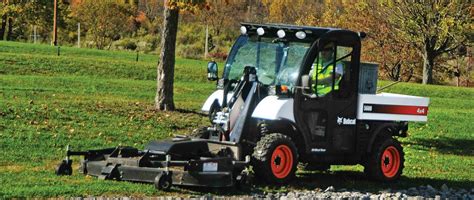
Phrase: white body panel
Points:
(273, 108)
(218, 94)
(392, 107)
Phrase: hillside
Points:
(92, 99)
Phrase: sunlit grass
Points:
(92, 99)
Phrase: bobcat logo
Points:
(345, 121)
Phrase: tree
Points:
(397, 58)
(433, 27)
(3, 12)
(9, 11)
(104, 20)
(292, 11)
(18, 17)
(165, 69)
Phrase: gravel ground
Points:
(414, 193)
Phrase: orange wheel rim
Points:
(282, 161)
(390, 162)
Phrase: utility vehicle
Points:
(280, 101)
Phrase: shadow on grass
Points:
(349, 180)
(191, 112)
(447, 145)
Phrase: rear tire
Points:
(386, 161)
(275, 158)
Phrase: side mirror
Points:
(212, 71)
(306, 84)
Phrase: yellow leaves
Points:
(187, 5)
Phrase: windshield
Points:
(276, 61)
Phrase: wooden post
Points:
(78, 35)
(55, 27)
(34, 34)
(206, 46)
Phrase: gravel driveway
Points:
(415, 193)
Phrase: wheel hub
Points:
(390, 162)
(277, 161)
(282, 161)
(386, 161)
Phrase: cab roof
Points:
(312, 32)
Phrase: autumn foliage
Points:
(398, 38)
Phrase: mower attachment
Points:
(183, 161)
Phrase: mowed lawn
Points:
(94, 99)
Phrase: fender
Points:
(280, 111)
(383, 128)
(274, 108)
(216, 96)
(290, 129)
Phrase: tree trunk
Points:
(165, 70)
(10, 29)
(4, 22)
(428, 64)
(3, 27)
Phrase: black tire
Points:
(64, 169)
(200, 132)
(386, 161)
(272, 152)
(163, 182)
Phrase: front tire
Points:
(386, 162)
(275, 158)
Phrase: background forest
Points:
(429, 42)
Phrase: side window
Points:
(331, 70)
(343, 60)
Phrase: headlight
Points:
(243, 30)
(281, 33)
(300, 35)
(260, 31)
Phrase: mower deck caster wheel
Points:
(163, 181)
(65, 168)
(242, 180)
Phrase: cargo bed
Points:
(392, 107)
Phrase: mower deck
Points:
(164, 163)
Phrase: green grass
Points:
(92, 99)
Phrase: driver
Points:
(324, 72)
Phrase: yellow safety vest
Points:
(323, 89)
